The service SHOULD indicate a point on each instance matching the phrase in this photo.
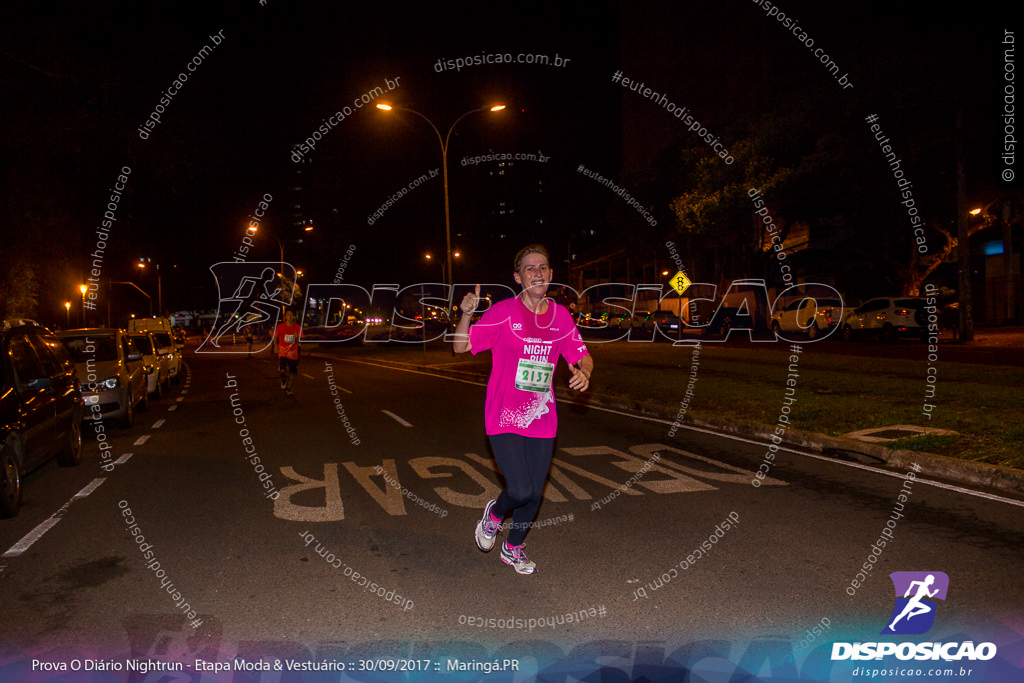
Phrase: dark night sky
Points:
(78, 79)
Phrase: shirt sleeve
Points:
(573, 346)
(484, 334)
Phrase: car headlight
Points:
(109, 383)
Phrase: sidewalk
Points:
(649, 379)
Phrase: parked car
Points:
(812, 317)
(667, 322)
(887, 318)
(158, 367)
(619, 321)
(150, 325)
(592, 321)
(641, 320)
(40, 407)
(110, 370)
(165, 347)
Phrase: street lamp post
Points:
(444, 160)
(455, 254)
(159, 288)
(280, 246)
(143, 294)
(83, 289)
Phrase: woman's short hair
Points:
(530, 249)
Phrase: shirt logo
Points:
(517, 326)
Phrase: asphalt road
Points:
(249, 567)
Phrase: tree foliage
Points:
(20, 290)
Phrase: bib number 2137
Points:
(532, 375)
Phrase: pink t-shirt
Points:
(524, 352)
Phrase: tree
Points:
(20, 292)
(717, 206)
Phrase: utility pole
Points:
(963, 247)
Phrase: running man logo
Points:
(250, 296)
(915, 614)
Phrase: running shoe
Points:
(487, 529)
(516, 558)
(288, 391)
(283, 386)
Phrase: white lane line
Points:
(141, 440)
(159, 423)
(89, 488)
(31, 537)
(123, 459)
(396, 418)
(180, 398)
(171, 409)
(866, 468)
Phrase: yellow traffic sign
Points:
(680, 282)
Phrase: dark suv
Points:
(40, 407)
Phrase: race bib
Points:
(289, 339)
(534, 375)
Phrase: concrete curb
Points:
(939, 466)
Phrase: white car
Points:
(158, 367)
(887, 318)
(110, 370)
(165, 347)
(815, 318)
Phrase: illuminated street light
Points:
(83, 289)
(67, 306)
(444, 158)
(143, 262)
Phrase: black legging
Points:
(524, 462)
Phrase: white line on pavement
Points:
(31, 537)
(159, 423)
(123, 459)
(141, 440)
(89, 488)
(396, 418)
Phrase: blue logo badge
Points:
(916, 592)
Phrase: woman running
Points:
(525, 334)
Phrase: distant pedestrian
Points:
(526, 335)
(286, 346)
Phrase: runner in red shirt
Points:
(286, 346)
